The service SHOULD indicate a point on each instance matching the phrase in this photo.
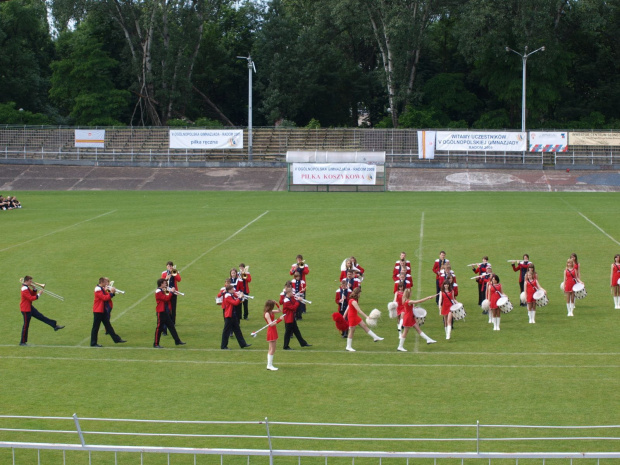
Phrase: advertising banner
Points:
(334, 173)
(548, 141)
(466, 141)
(90, 138)
(594, 138)
(426, 145)
(206, 139)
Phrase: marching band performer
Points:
(352, 281)
(493, 294)
(570, 279)
(446, 300)
(287, 286)
(351, 315)
(272, 331)
(401, 265)
(402, 278)
(290, 309)
(351, 264)
(531, 286)
(358, 267)
(480, 269)
(102, 306)
(163, 297)
(400, 306)
(299, 286)
(483, 281)
(615, 281)
(437, 266)
(172, 275)
(28, 295)
(576, 262)
(234, 279)
(301, 266)
(409, 320)
(243, 285)
(522, 268)
(231, 322)
(342, 299)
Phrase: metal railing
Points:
(258, 439)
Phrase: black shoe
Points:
(57, 327)
(225, 348)
(157, 346)
(121, 341)
(165, 333)
(307, 345)
(287, 348)
(246, 346)
(484, 312)
(23, 344)
(245, 317)
(96, 345)
(180, 343)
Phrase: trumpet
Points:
(300, 297)
(111, 285)
(174, 291)
(245, 272)
(41, 287)
(246, 296)
(174, 271)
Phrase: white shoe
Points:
(272, 368)
(401, 349)
(378, 339)
(431, 341)
(350, 349)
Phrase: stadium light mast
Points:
(524, 59)
(251, 68)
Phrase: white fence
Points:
(259, 439)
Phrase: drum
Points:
(504, 304)
(541, 298)
(420, 315)
(458, 311)
(580, 290)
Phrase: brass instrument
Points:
(246, 296)
(245, 272)
(173, 290)
(111, 285)
(299, 297)
(41, 287)
(174, 271)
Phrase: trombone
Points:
(118, 291)
(41, 287)
(300, 297)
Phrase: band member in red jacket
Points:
(521, 267)
(102, 306)
(290, 306)
(342, 299)
(299, 288)
(173, 277)
(243, 285)
(480, 269)
(231, 323)
(28, 295)
(401, 265)
(301, 266)
(163, 297)
(437, 266)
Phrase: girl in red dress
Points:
(531, 286)
(446, 300)
(576, 262)
(494, 293)
(398, 298)
(409, 320)
(570, 279)
(351, 315)
(615, 277)
(272, 331)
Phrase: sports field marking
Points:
(57, 231)
(417, 336)
(597, 227)
(345, 364)
(150, 294)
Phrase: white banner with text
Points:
(90, 138)
(465, 141)
(334, 173)
(206, 139)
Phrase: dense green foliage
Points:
(405, 63)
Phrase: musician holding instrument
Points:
(342, 299)
(300, 266)
(29, 293)
(299, 286)
(173, 277)
(102, 306)
(401, 265)
(521, 266)
(437, 266)
(163, 297)
(290, 308)
(232, 299)
(480, 269)
(243, 285)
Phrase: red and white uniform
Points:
(161, 298)
(522, 267)
(352, 316)
(408, 316)
(28, 296)
(299, 286)
(354, 282)
(101, 297)
(530, 288)
(220, 295)
(243, 284)
(455, 286)
(570, 279)
(437, 266)
(303, 270)
(494, 292)
(340, 293)
(398, 269)
(289, 308)
(230, 301)
(615, 275)
(172, 280)
(272, 331)
(446, 302)
(407, 284)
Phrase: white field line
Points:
(597, 227)
(57, 231)
(343, 364)
(150, 294)
(418, 294)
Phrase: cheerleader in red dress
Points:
(398, 298)
(615, 281)
(272, 331)
(494, 293)
(570, 279)
(446, 300)
(409, 320)
(351, 315)
(531, 286)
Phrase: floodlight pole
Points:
(251, 68)
(524, 59)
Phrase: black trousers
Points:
(232, 324)
(173, 308)
(245, 309)
(292, 328)
(164, 320)
(39, 316)
(104, 318)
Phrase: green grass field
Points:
(561, 371)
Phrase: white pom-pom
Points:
(375, 314)
(392, 309)
(562, 286)
(486, 305)
(523, 297)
